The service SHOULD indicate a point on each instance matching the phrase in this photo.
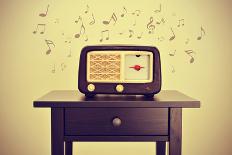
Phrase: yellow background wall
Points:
(26, 69)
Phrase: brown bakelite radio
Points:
(127, 70)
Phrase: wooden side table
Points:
(116, 118)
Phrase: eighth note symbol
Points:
(202, 33)
(131, 33)
(87, 9)
(49, 42)
(190, 52)
(125, 11)
(173, 35)
(172, 53)
(93, 20)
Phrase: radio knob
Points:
(116, 122)
(91, 87)
(119, 88)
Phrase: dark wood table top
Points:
(73, 98)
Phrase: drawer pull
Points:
(116, 122)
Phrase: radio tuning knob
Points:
(119, 88)
(91, 87)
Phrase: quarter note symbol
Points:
(190, 53)
(87, 9)
(124, 12)
(107, 35)
(158, 10)
(150, 26)
(113, 17)
(70, 54)
(180, 22)
(82, 31)
(131, 33)
(49, 43)
(93, 20)
(173, 35)
(41, 27)
(44, 14)
(202, 33)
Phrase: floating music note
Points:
(87, 9)
(93, 20)
(70, 54)
(131, 33)
(82, 31)
(160, 38)
(53, 69)
(134, 23)
(63, 66)
(190, 53)
(173, 35)
(40, 26)
(180, 22)
(86, 38)
(124, 12)
(57, 21)
(49, 42)
(44, 14)
(161, 21)
(140, 36)
(107, 35)
(158, 10)
(173, 69)
(112, 18)
(202, 34)
(187, 41)
(79, 19)
(150, 26)
(136, 12)
(172, 53)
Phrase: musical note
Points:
(137, 12)
(187, 41)
(113, 17)
(173, 35)
(120, 33)
(181, 22)
(82, 31)
(57, 21)
(140, 36)
(68, 40)
(190, 53)
(173, 69)
(40, 26)
(70, 54)
(202, 33)
(53, 69)
(86, 38)
(79, 19)
(161, 21)
(172, 53)
(134, 23)
(150, 26)
(63, 66)
(131, 33)
(160, 38)
(124, 12)
(87, 9)
(158, 10)
(93, 20)
(49, 42)
(102, 35)
(44, 14)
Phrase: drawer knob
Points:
(116, 122)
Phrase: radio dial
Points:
(119, 88)
(91, 87)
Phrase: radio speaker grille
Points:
(104, 67)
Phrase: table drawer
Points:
(116, 121)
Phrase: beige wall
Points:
(26, 69)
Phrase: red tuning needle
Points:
(137, 67)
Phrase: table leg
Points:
(68, 148)
(57, 131)
(160, 148)
(175, 131)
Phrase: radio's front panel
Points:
(119, 67)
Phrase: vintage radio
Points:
(132, 70)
